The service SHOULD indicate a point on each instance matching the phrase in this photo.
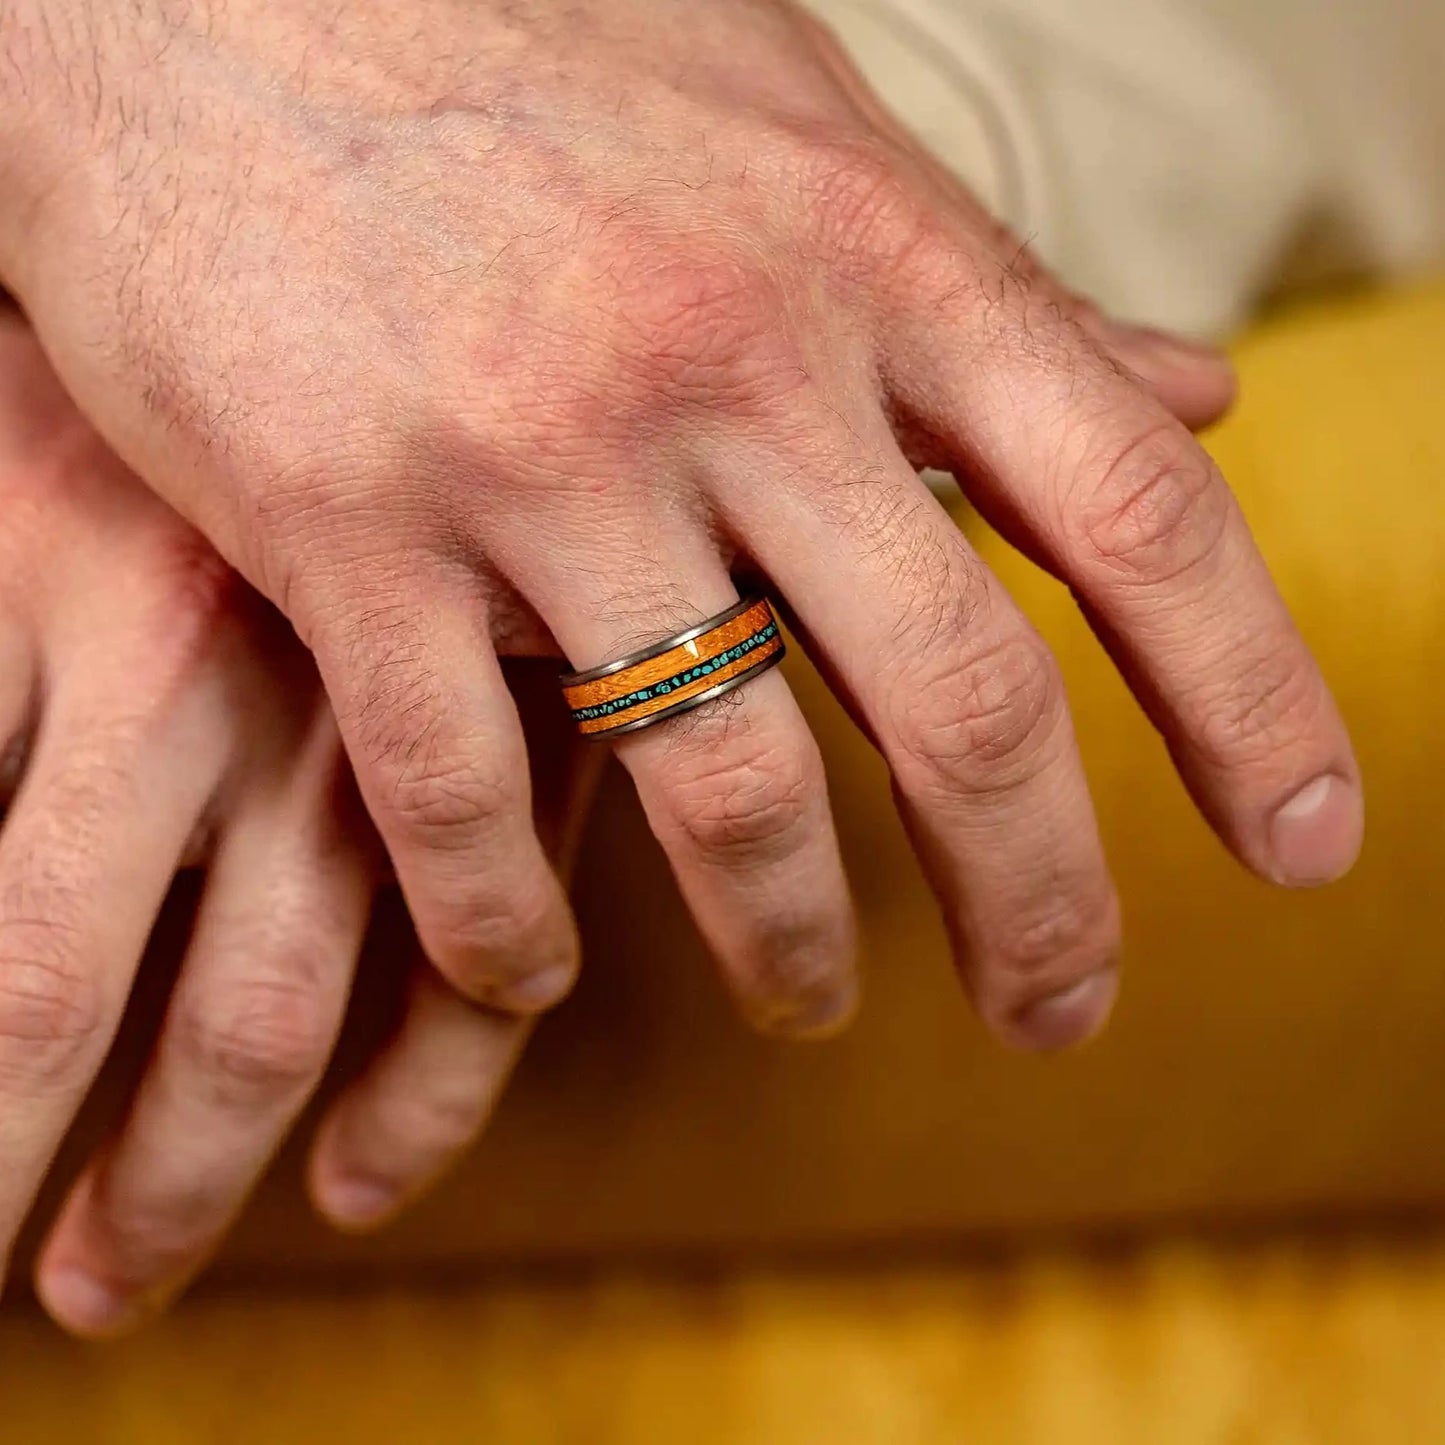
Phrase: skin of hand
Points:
(477, 329)
(152, 707)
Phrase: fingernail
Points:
(816, 1016)
(82, 1303)
(535, 993)
(1316, 836)
(354, 1202)
(1071, 1016)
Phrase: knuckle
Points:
(1156, 511)
(258, 1040)
(427, 1128)
(696, 326)
(156, 1237)
(321, 514)
(867, 207)
(1259, 709)
(508, 949)
(662, 327)
(974, 723)
(743, 804)
(279, 517)
(317, 520)
(448, 802)
(438, 790)
(52, 1011)
(1070, 935)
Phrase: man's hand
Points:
(153, 710)
(477, 328)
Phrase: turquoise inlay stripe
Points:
(738, 650)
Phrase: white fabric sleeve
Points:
(1179, 159)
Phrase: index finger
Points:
(1070, 457)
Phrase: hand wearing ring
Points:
(596, 305)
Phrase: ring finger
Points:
(734, 791)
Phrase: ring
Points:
(677, 674)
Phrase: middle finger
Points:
(967, 705)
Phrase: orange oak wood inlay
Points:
(659, 683)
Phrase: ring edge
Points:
(680, 639)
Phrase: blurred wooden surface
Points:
(1322, 1343)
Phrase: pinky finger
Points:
(416, 1108)
(422, 1102)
